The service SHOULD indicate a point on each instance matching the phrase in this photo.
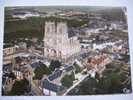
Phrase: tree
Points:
(41, 70)
(103, 85)
(97, 76)
(54, 64)
(20, 87)
(77, 68)
(115, 83)
(88, 87)
(72, 76)
(67, 80)
(109, 84)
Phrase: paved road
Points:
(35, 89)
(80, 79)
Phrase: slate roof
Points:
(34, 65)
(55, 75)
(7, 75)
(52, 87)
(68, 68)
(7, 66)
(56, 70)
(66, 65)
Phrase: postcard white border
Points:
(126, 3)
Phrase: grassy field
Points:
(32, 27)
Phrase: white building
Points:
(26, 15)
(8, 54)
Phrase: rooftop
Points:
(68, 68)
(35, 64)
(55, 75)
(52, 87)
(98, 59)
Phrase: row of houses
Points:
(98, 63)
(52, 84)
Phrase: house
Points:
(98, 63)
(8, 80)
(51, 85)
(34, 65)
(18, 74)
(8, 52)
(68, 68)
(55, 77)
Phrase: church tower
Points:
(49, 33)
(57, 44)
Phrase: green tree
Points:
(110, 84)
(67, 80)
(103, 85)
(115, 83)
(20, 87)
(54, 64)
(88, 87)
(77, 68)
(41, 70)
(72, 76)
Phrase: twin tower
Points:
(57, 44)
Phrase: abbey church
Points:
(57, 43)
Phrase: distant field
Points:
(22, 28)
(32, 27)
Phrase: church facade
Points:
(57, 43)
